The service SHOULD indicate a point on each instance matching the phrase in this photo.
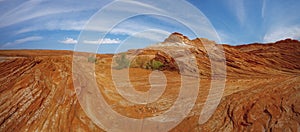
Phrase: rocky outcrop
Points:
(37, 94)
(273, 107)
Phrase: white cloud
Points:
(69, 41)
(282, 33)
(23, 40)
(103, 41)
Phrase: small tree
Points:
(122, 62)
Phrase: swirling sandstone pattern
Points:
(262, 89)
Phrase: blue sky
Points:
(57, 24)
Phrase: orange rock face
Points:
(38, 89)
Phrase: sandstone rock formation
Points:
(262, 90)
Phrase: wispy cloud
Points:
(75, 25)
(263, 10)
(121, 10)
(36, 8)
(103, 41)
(282, 33)
(69, 41)
(124, 10)
(42, 16)
(138, 6)
(281, 20)
(153, 35)
(23, 40)
(238, 8)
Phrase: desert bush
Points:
(92, 59)
(140, 62)
(155, 65)
(122, 62)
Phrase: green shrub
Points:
(92, 59)
(122, 62)
(155, 65)
(139, 62)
